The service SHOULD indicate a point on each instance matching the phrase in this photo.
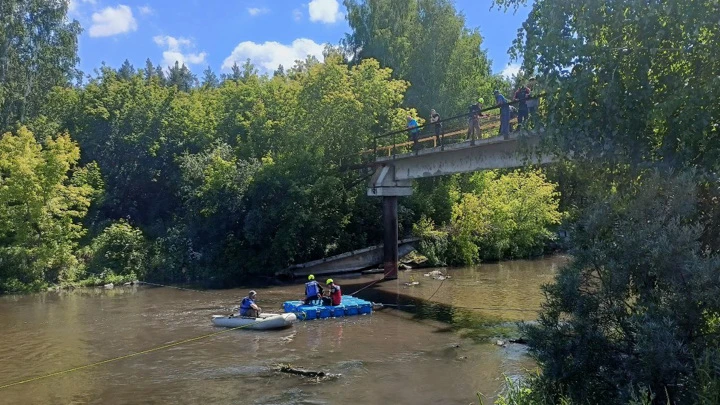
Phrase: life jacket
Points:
(311, 289)
(246, 305)
(335, 294)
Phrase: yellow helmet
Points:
(311, 277)
(329, 281)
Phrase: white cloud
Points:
(511, 70)
(254, 11)
(324, 11)
(146, 10)
(175, 52)
(269, 55)
(112, 21)
(297, 15)
(74, 4)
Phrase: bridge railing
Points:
(454, 129)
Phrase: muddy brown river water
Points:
(389, 357)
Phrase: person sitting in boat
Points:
(313, 290)
(335, 297)
(248, 307)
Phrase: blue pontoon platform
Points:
(350, 306)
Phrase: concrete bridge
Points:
(394, 174)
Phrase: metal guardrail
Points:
(454, 129)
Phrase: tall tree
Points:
(630, 84)
(149, 71)
(210, 79)
(126, 71)
(426, 43)
(181, 77)
(43, 197)
(38, 50)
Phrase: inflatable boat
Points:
(262, 322)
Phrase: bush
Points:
(433, 243)
(636, 306)
(120, 250)
(510, 217)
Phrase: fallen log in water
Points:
(287, 368)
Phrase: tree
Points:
(507, 216)
(636, 306)
(38, 50)
(126, 71)
(426, 43)
(149, 70)
(181, 77)
(236, 74)
(210, 79)
(120, 249)
(631, 90)
(43, 197)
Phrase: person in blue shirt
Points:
(248, 307)
(313, 290)
(414, 130)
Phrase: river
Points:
(390, 356)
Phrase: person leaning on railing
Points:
(532, 103)
(521, 95)
(414, 131)
(504, 113)
(435, 119)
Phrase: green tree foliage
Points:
(629, 83)
(498, 216)
(426, 43)
(632, 310)
(119, 249)
(239, 178)
(38, 50)
(43, 197)
(631, 87)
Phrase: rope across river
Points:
(127, 356)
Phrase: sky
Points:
(217, 33)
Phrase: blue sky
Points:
(216, 33)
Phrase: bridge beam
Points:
(463, 157)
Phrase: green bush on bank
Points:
(501, 216)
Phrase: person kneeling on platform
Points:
(248, 307)
(313, 290)
(335, 297)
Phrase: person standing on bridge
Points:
(474, 121)
(522, 94)
(313, 290)
(414, 131)
(504, 113)
(532, 103)
(435, 119)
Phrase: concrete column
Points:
(390, 248)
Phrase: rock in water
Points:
(109, 286)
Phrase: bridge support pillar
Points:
(390, 240)
(383, 184)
